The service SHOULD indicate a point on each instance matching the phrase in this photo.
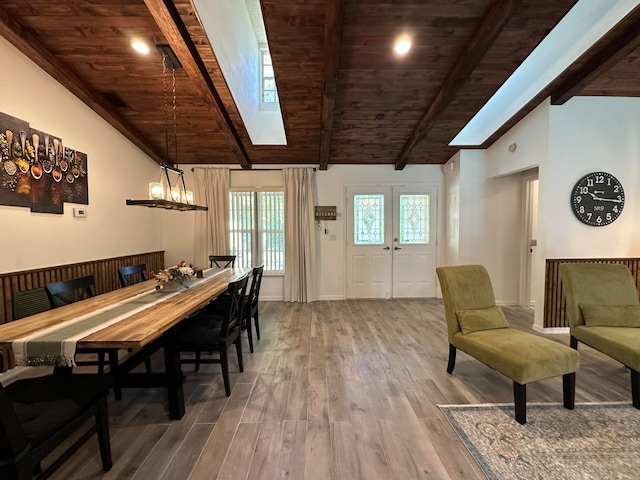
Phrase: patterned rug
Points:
(595, 441)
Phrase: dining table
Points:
(138, 319)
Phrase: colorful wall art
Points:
(37, 170)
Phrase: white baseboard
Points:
(276, 298)
(551, 330)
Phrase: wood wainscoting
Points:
(554, 302)
(105, 272)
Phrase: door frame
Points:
(529, 215)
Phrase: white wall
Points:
(564, 142)
(587, 134)
(117, 170)
(483, 224)
(330, 186)
(451, 211)
(331, 190)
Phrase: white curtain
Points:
(299, 236)
(212, 226)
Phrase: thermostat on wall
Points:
(79, 212)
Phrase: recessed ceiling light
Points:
(402, 46)
(140, 46)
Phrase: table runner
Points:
(56, 345)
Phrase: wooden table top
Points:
(136, 330)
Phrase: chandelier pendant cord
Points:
(178, 197)
(175, 116)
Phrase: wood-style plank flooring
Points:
(335, 390)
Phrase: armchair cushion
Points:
(619, 343)
(610, 315)
(481, 319)
(521, 356)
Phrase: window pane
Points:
(257, 229)
(414, 218)
(272, 230)
(241, 219)
(368, 219)
(269, 91)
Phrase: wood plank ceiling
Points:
(345, 98)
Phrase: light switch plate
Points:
(79, 212)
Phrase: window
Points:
(256, 228)
(268, 91)
(414, 219)
(368, 218)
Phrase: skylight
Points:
(235, 35)
(585, 23)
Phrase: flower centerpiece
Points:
(176, 276)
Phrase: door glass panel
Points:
(414, 219)
(368, 219)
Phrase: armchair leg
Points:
(520, 401)
(635, 388)
(573, 342)
(569, 390)
(452, 359)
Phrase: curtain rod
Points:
(247, 169)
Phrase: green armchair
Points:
(477, 326)
(604, 313)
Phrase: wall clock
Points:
(597, 199)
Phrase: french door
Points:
(391, 241)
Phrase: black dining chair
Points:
(249, 309)
(39, 414)
(212, 333)
(29, 302)
(132, 274)
(222, 261)
(66, 292)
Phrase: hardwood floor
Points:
(335, 390)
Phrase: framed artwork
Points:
(37, 170)
(15, 178)
(46, 177)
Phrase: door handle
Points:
(397, 248)
(386, 248)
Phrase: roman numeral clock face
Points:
(597, 199)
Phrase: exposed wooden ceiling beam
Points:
(29, 45)
(168, 20)
(483, 37)
(619, 42)
(332, 42)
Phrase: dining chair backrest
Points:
(232, 316)
(69, 291)
(29, 302)
(132, 274)
(254, 291)
(39, 415)
(222, 261)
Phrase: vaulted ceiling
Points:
(345, 98)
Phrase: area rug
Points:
(595, 441)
